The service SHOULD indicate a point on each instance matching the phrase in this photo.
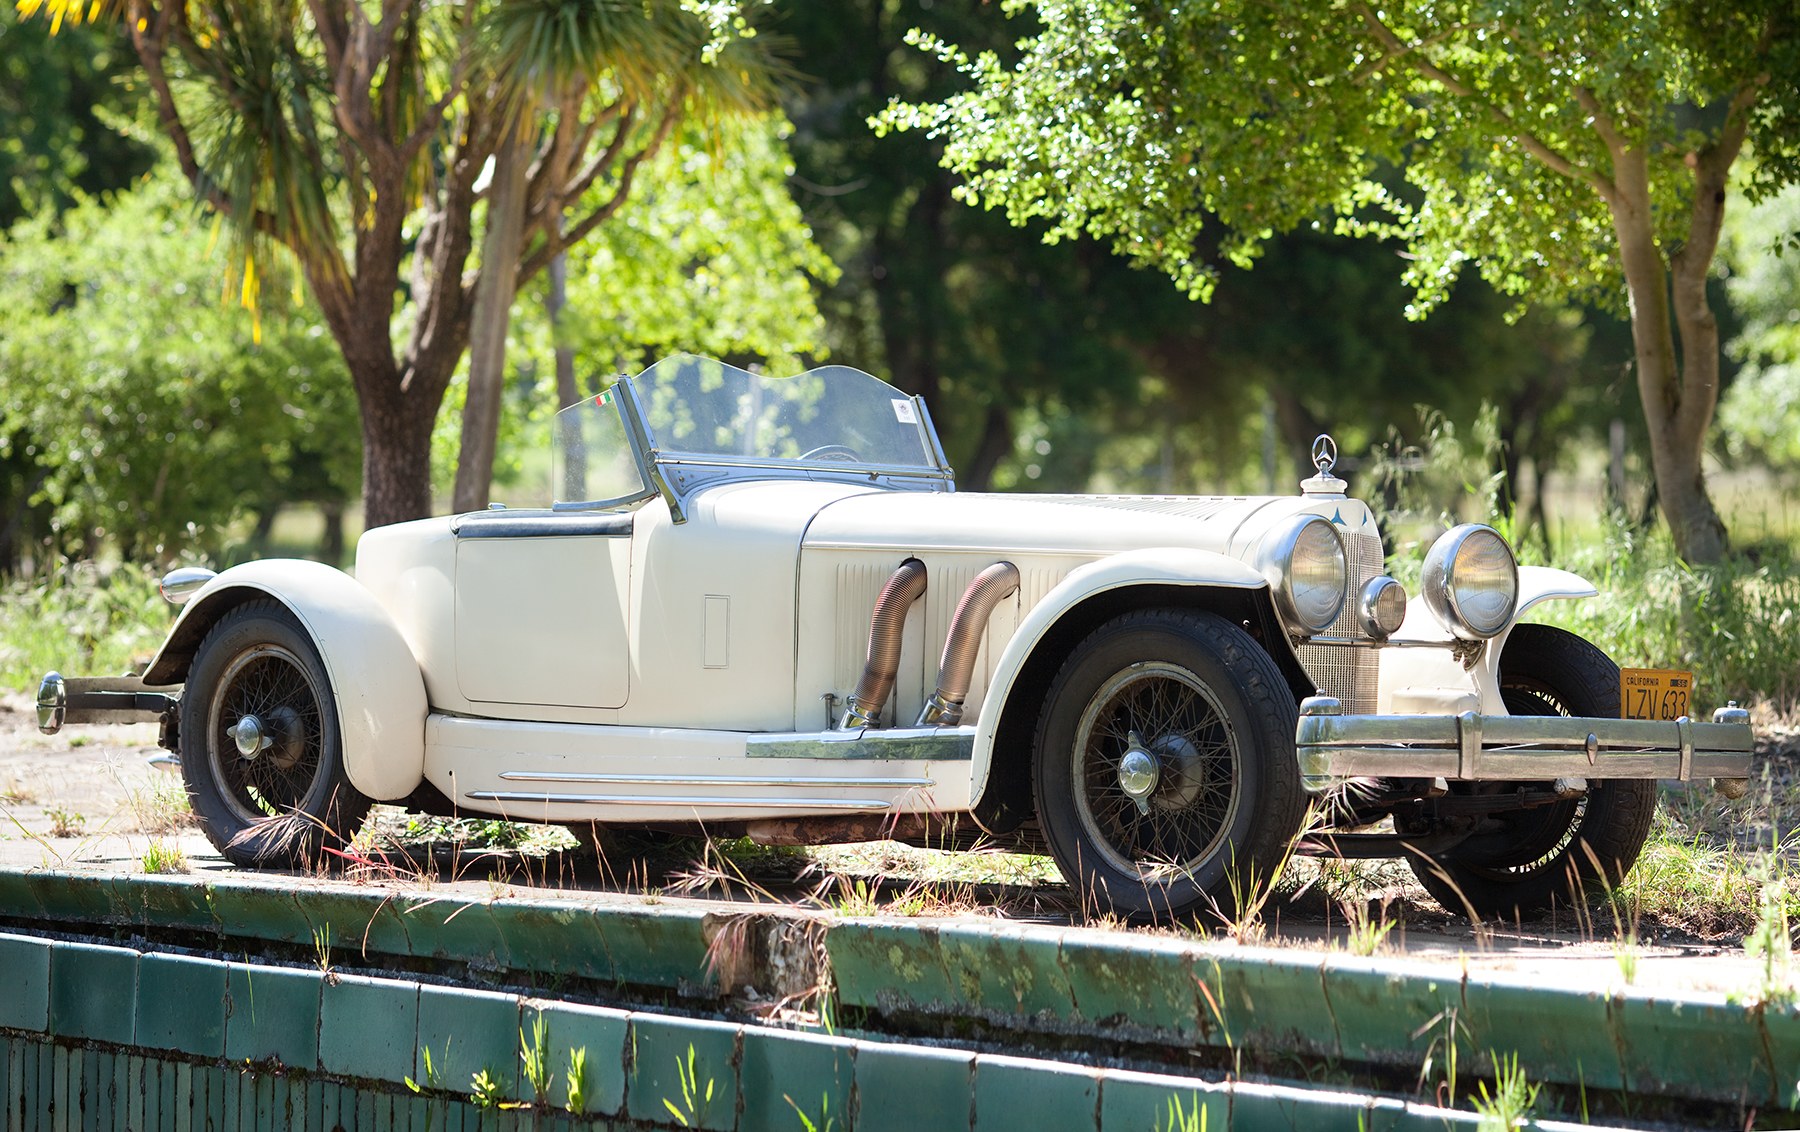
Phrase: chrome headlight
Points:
(1304, 562)
(1471, 581)
(1381, 607)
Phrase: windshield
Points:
(698, 411)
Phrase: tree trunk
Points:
(1678, 407)
(487, 327)
(396, 430)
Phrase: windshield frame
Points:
(678, 474)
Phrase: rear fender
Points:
(375, 678)
(1158, 566)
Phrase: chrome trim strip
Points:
(913, 744)
(713, 780)
(1513, 748)
(685, 802)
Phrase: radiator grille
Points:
(1348, 673)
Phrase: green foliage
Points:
(1509, 1104)
(81, 619)
(1733, 623)
(1259, 117)
(484, 1089)
(696, 1099)
(715, 261)
(1769, 945)
(577, 1077)
(534, 1057)
(136, 404)
(1759, 415)
(59, 96)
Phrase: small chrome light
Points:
(1381, 607)
(1304, 562)
(179, 585)
(1471, 581)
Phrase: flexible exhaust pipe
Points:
(945, 706)
(904, 588)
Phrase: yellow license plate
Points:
(1654, 693)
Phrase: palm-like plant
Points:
(355, 137)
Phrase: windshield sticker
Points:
(604, 398)
(904, 412)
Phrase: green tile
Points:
(1270, 1000)
(446, 929)
(25, 996)
(62, 1100)
(1387, 1015)
(601, 1034)
(92, 992)
(1045, 1096)
(663, 1050)
(368, 1028)
(168, 901)
(1780, 1027)
(181, 1004)
(468, 1031)
(1007, 971)
(784, 1074)
(273, 1015)
(902, 1088)
(1133, 1102)
(1562, 1036)
(890, 967)
(1135, 986)
(1257, 1108)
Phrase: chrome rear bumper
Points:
(1519, 748)
(101, 699)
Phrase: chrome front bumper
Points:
(1519, 748)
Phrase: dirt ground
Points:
(89, 799)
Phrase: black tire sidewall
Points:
(1258, 708)
(329, 796)
(1610, 830)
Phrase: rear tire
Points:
(1209, 721)
(260, 749)
(1568, 851)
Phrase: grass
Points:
(81, 619)
(164, 857)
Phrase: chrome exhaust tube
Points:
(944, 708)
(885, 628)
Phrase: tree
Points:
(355, 136)
(1577, 149)
(59, 98)
(134, 398)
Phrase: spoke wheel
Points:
(1164, 712)
(265, 733)
(1164, 768)
(1526, 860)
(260, 749)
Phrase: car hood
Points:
(1084, 525)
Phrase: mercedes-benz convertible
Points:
(760, 607)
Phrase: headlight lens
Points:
(1471, 581)
(1304, 562)
(1382, 607)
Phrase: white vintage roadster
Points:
(761, 605)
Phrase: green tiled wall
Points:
(108, 1038)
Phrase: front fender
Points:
(375, 678)
(1159, 566)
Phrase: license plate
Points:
(1654, 693)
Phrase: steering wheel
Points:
(841, 453)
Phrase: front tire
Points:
(1531, 859)
(260, 749)
(1164, 769)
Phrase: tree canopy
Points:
(1575, 149)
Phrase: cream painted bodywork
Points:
(375, 679)
(625, 676)
(1416, 675)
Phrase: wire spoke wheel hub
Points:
(265, 709)
(1155, 768)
